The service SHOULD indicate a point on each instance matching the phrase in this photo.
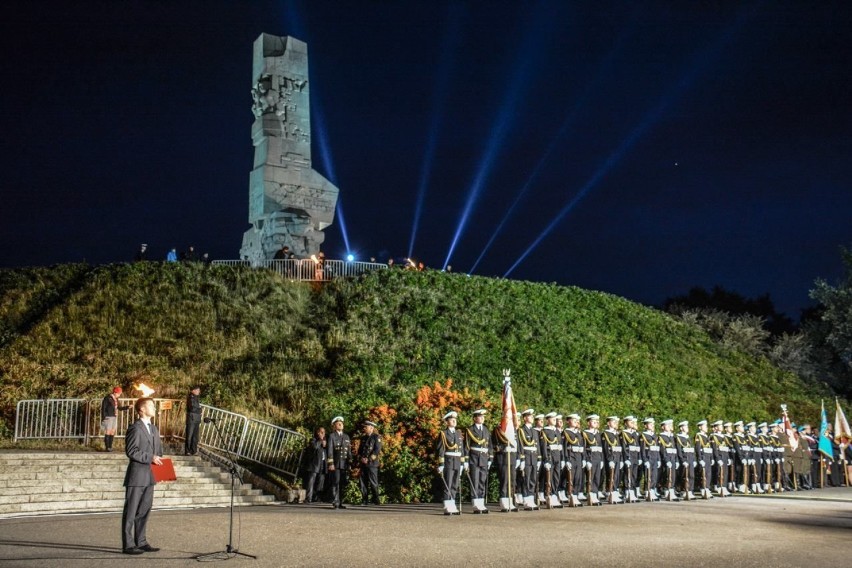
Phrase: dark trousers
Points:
(314, 484)
(555, 474)
(368, 480)
(530, 475)
(686, 475)
(650, 474)
(506, 473)
(613, 475)
(191, 438)
(451, 475)
(134, 518)
(337, 480)
(574, 477)
(595, 476)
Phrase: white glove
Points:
(622, 465)
(685, 465)
(668, 464)
(568, 465)
(639, 462)
(466, 466)
(547, 466)
(778, 460)
(713, 462)
(729, 461)
(538, 466)
(658, 464)
(440, 469)
(585, 463)
(627, 463)
(562, 464)
(648, 465)
(588, 465)
(611, 464)
(518, 464)
(489, 465)
(701, 463)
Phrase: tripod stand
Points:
(229, 551)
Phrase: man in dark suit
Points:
(142, 446)
(193, 420)
(338, 454)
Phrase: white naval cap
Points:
(450, 414)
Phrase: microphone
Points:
(208, 420)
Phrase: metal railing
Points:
(308, 270)
(245, 438)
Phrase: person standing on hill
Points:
(369, 448)
(109, 416)
(142, 446)
(339, 452)
(193, 420)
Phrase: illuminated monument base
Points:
(289, 202)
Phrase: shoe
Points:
(148, 548)
(131, 551)
(364, 503)
(341, 506)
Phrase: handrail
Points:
(307, 269)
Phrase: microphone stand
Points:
(230, 551)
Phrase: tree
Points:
(837, 316)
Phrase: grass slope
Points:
(289, 353)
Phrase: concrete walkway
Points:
(734, 532)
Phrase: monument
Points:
(289, 202)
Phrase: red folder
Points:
(165, 472)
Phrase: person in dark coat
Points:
(315, 479)
(480, 454)
(338, 454)
(451, 461)
(142, 446)
(109, 416)
(193, 420)
(369, 448)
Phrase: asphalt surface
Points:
(812, 528)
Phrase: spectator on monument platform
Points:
(188, 255)
(390, 262)
(172, 256)
(205, 258)
(142, 253)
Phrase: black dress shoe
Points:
(131, 551)
(148, 548)
(341, 506)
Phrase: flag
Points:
(842, 434)
(824, 440)
(508, 424)
(792, 435)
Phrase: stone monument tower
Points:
(289, 202)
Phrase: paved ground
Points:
(734, 532)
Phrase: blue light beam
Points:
(702, 61)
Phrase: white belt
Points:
(671, 451)
(689, 450)
(577, 448)
(633, 448)
(555, 447)
(530, 449)
(510, 450)
(453, 454)
(724, 449)
(481, 450)
(758, 450)
(654, 448)
(596, 449)
(745, 448)
(616, 449)
(708, 450)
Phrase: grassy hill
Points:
(297, 354)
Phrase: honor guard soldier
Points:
(686, 456)
(563, 473)
(650, 452)
(540, 473)
(369, 449)
(519, 477)
(451, 461)
(732, 457)
(756, 462)
(721, 459)
(668, 453)
(782, 480)
(508, 464)
(575, 459)
(551, 444)
(632, 458)
(594, 459)
(613, 455)
(704, 457)
(743, 461)
(528, 439)
(768, 456)
(339, 452)
(480, 454)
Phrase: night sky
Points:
(635, 148)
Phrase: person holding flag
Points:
(843, 436)
(824, 447)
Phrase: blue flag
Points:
(824, 440)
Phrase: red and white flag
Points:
(842, 434)
(508, 423)
(792, 435)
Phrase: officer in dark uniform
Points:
(742, 448)
(369, 448)
(704, 459)
(732, 457)
(594, 459)
(780, 479)
(316, 470)
(540, 472)
(686, 457)
(528, 439)
(756, 462)
(650, 452)
(721, 459)
(519, 482)
(451, 461)
(668, 453)
(768, 457)
(551, 444)
(193, 420)
(480, 454)
(632, 458)
(575, 459)
(613, 455)
(508, 464)
(563, 473)
(338, 454)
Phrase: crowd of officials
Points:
(553, 462)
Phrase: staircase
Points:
(41, 483)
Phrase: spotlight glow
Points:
(350, 257)
(325, 156)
